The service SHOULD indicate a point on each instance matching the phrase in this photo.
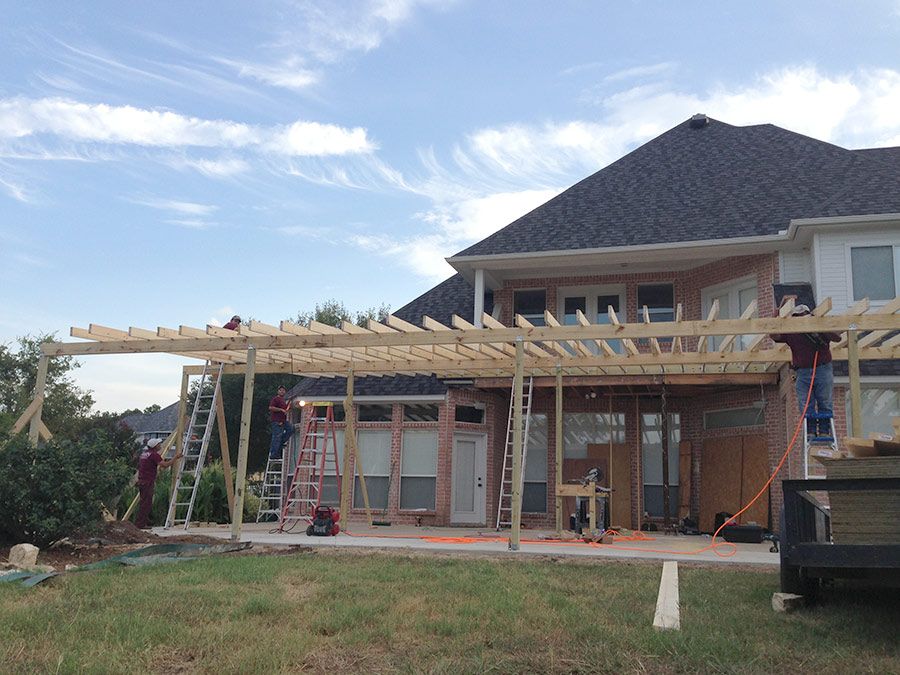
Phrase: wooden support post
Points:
(346, 478)
(516, 502)
(856, 426)
(559, 448)
(28, 413)
(609, 466)
(243, 445)
(226, 452)
(664, 433)
(40, 384)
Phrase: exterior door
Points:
(469, 486)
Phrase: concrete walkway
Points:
(468, 540)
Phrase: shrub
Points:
(50, 491)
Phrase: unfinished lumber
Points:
(787, 602)
(243, 446)
(668, 613)
(34, 431)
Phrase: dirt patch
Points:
(168, 661)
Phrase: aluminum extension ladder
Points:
(270, 495)
(305, 492)
(194, 447)
(504, 502)
(809, 441)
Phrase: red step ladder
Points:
(318, 447)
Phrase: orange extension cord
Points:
(723, 549)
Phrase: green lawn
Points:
(351, 612)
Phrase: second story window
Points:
(660, 302)
(875, 272)
(531, 305)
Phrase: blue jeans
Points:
(281, 433)
(822, 399)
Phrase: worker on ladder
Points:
(804, 347)
(281, 428)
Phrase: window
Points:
(319, 411)
(880, 405)
(734, 298)
(469, 413)
(594, 302)
(583, 429)
(750, 416)
(534, 494)
(531, 305)
(660, 302)
(421, 412)
(875, 272)
(374, 455)
(418, 470)
(651, 454)
(376, 412)
(330, 496)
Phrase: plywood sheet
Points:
(720, 479)
(684, 479)
(754, 474)
(620, 508)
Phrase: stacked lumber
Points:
(876, 445)
(871, 517)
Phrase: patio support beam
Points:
(346, 479)
(179, 425)
(559, 448)
(664, 437)
(243, 446)
(40, 385)
(856, 427)
(225, 451)
(516, 501)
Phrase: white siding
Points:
(832, 260)
(794, 266)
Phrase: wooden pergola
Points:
(675, 349)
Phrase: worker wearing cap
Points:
(234, 323)
(148, 464)
(804, 347)
(281, 427)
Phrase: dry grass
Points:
(393, 613)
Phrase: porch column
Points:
(516, 502)
(559, 450)
(40, 385)
(243, 444)
(479, 298)
(856, 427)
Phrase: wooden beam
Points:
(243, 446)
(702, 343)
(345, 481)
(225, 451)
(27, 414)
(34, 430)
(729, 339)
(516, 500)
(558, 435)
(858, 309)
(676, 341)
(602, 344)
(614, 321)
(856, 426)
(668, 613)
(876, 335)
(654, 342)
(574, 345)
(674, 379)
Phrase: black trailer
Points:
(808, 554)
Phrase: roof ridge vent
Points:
(699, 121)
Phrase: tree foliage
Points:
(332, 312)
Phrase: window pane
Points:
(330, 495)
(374, 452)
(536, 463)
(653, 500)
(583, 429)
(319, 411)
(604, 302)
(736, 417)
(469, 413)
(420, 412)
(651, 448)
(417, 493)
(329, 463)
(419, 453)
(659, 299)
(873, 272)
(571, 306)
(531, 305)
(376, 412)
(377, 487)
(879, 407)
(534, 498)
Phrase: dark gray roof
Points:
(453, 296)
(873, 368)
(164, 420)
(715, 182)
(890, 156)
(396, 385)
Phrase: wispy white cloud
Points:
(640, 71)
(14, 190)
(214, 168)
(191, 223)
(101, 123)
(187, 208)
(289, 74)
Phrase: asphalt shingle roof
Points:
(164, 420)
(453, 296)
(716, 182)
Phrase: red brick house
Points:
(705, 212)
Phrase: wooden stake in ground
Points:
(243, 446)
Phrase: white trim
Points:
(590, 292)
(733, 288)
(870, 381)
(479, 515)
(479, 299)
(412, 398)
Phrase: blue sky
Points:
(172, 163)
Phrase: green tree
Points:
(63, 400)
(332, 312)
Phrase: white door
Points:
(469, 485)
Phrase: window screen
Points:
(374, 456)
(418, 470)
(873, 272)
(534, 493)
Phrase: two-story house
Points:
(705, 214)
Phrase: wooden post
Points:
(243, 445)
(856, 425)
(40, 384)
(226, 452)
(559, 450)
(179, 429)
(346, 478)
(664, 433)
(609, 466)
(517, 448)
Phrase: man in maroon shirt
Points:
(281, 428)
(148, 464)
(804, 347)
(234, 323)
